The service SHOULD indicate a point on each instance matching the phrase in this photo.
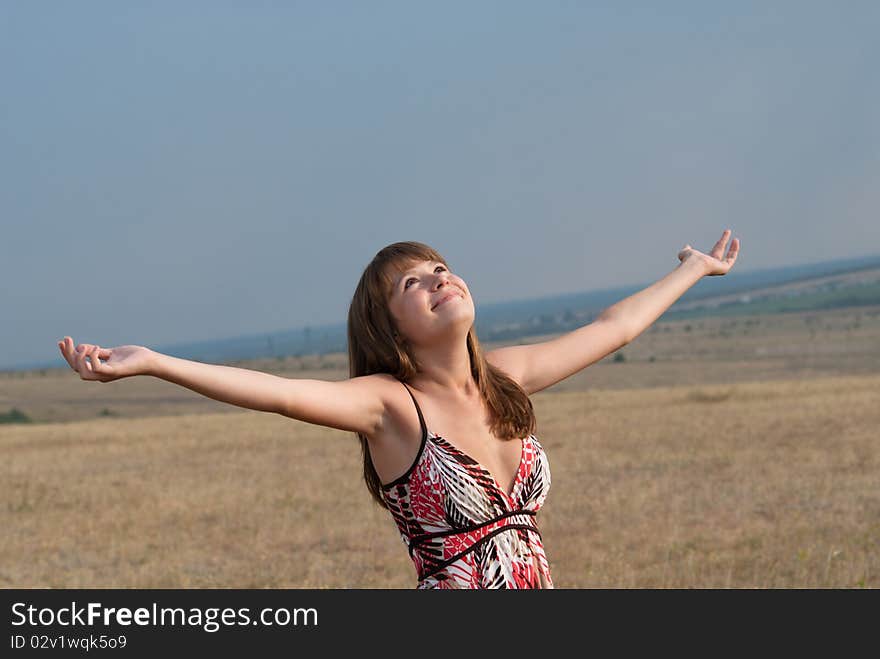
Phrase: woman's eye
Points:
(406, 283)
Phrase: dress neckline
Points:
(516, 476)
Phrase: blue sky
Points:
(194, 170)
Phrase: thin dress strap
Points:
(419, 410)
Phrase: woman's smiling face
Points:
(426, 299)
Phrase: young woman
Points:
(446, 430)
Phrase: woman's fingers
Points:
(733, 251)
(75, 356)
(78, 364)
(65, 352)
(82, 365)
(718, 250)
(72, 354)
(94, 360)
(85, 358)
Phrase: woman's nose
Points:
(442, 279)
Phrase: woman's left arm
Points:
(540, 365)
(639, 311)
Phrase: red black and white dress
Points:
(462, 529)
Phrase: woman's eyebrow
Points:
(416, 268)
(411, 270)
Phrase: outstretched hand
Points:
(712, 261)
(119, 362)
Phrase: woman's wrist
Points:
(153, 363)
(696, 263)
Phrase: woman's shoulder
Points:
(389, 385)
(397, 441)
(395, 401)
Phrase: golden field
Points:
(739, 452)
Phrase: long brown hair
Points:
(375, 347)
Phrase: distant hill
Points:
(832, 284)
(508, 321)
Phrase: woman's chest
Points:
(502, 459)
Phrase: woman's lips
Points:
(446, 298)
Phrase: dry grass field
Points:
(736, 453)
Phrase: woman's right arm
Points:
(356, 404)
